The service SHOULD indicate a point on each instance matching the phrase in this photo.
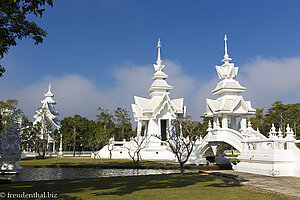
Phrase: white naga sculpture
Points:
(48, 112)
(10, 148)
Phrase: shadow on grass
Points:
(70, 189)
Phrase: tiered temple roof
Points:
(48, 104)
(228, 90)
(160, 90)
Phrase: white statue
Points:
(10, 148)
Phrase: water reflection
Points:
(39, 174)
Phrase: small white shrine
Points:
(155, 115)
(47, 110)
(229, 106)
(157, 112)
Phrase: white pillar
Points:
(146, 128)
(233, 123)
(139, 128)
(53, 146)
(214, 122)
(159, 127)
(243, 123)
(60, 146)
(224, 121)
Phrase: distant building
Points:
(47, 110)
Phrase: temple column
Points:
(243, 122)
(53, 149)
(146, 128)
(224, 121)
(60, 146)
(159, 127)
(139, 128)
(215, 122)
(233, 123)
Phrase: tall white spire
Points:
(158, 66)
(49, 87)
(159, 87)
(226, 56)
(158, 61)
(49, 93)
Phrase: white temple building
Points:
(155, 114)
(229, 105)
(47, 110)
(272, 156)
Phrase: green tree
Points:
(105, 118)
(122, 119)
(75, 132)
(202, 127)
(14, 24)
(278, 113)
(9, 109)
(30, 135)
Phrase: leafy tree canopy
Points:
(14, 23)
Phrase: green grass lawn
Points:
(152, 187)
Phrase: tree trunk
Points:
(74, 144)
(44, 149)
(123, 133)
(181, 169)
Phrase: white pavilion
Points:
(229, 106)
(157, 112)
(51, 114)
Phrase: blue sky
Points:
(99, 41)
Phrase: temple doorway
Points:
(163, 129)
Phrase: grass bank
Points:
(106, 164)
(172, 186)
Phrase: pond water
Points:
(39, 174)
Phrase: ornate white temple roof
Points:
(228, 90)
(48, 105)
(151, 108)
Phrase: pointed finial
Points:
(249, 124)
(209, 124)
(225, 40)
(158, 43)
(158, 66)
(279, 133)
(158, 61)
(49, 87)
(226, 56)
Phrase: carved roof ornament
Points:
(227, 70)
(226, 56)
(158, 66)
